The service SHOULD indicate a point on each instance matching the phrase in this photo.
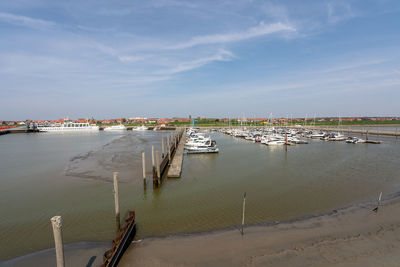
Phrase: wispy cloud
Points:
(355, 65)
(131, 59)
(338, 11)
(222, 55)
(261, 29)
(26, 21)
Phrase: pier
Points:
(160, 168)
(175, 169)
(359, 131)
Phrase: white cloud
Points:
(222, 55)
(26, 21)
(261, 29)
(355, 65)
(130, 59)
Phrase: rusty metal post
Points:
(56, 222)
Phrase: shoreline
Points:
(76, 254)
(90, 253)
(354, 235)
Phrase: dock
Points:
(358, 131)
(175, 169)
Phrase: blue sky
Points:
(159, 58)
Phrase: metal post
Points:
(56, 222)
(244, 208)
(116, 201)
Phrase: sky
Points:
(173, 58)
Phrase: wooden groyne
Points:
(175, 169)
(121, 243)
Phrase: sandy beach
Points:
(353, 236)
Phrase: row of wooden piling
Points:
(127, 232)
(159, 168)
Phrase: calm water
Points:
(43, 175)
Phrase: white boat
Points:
(141, 128)
(336, 137)
(317, 135)
(355, 140)
(198, 150)
(275, 143)
(115, 128)
(68, 127)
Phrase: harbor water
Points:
(43, 175)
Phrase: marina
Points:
(278, 188)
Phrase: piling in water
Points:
(56, 222)
(116, 201)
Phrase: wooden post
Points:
(162, 147)
(286, 142)
(244, 208)
(169, 154)
(144, 166)
(116, 201)
(158, 165)
(56, 222)
(152, 158)
(168, 142)
(379, 199)
(367, 136)
(379, 202)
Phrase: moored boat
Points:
(68, 127)
(115, 128)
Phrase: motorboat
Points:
(336, 136)
(198, 150)
(141, 128)
(354, 140)
(115, 128)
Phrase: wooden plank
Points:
(175, 169)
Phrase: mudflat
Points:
(353, 236)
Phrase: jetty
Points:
(359, 131)
(175, 169)
(160, 169)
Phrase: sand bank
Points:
(353, 236)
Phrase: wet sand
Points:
(353, 236)
(76, 254)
